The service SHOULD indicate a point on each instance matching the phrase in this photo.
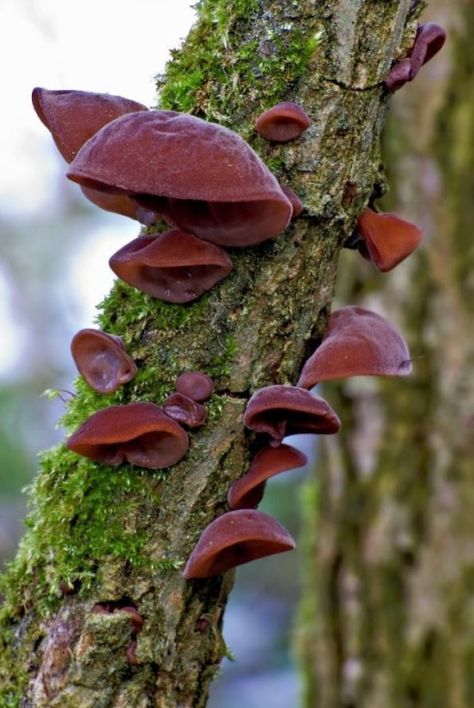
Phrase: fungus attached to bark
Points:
(102, 360)
(287, 410)
(174, 266)
(138, 433)
(201, 177)
(72, 117)
(429, 39)
(387, 239)
(195, 384)
(295, 201)
(184, 410)
(235, 538)
(358, 343)
(247, 491)
(283, 122)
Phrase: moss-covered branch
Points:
(100, 535)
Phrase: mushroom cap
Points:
(235, 538)
(247, 491)
(195, 384)
(287, 410)
(184, 410)
(430, 38)
(200, 176)
(72, 117)
(399, 75)
(388, 239)
(358, 343)
(283, 122)
(138, 433)
(102, 360)
(174, 266)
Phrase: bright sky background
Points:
(112, 46)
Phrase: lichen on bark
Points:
(115, 534)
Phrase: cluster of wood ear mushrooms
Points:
(214, 192)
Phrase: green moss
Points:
(217, 85)
(74, 524)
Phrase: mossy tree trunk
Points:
(394, 572)
(121, 536)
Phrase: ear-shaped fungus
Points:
(247, 491)
(102, 360)
(429, 39)
(195, 384)
(138, 433)
(199, 176)
(358, 343)
(174, 266)
(287, 410)
(387, 239)
(184, 410)
(295, 201)
(72, 117)
(235, 538)
(283, 122)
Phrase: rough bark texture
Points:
(394, 551)
(121, 536)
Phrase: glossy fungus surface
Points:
(72, 117)
(247, 491)
(102, 360)
(429, 39)
(199, 176)
(236, 538)
(358, 343)
(184, 410)
(285, 121)
(174, 266)
(195, 384)
(387, 239)
(286, 410)
(138, 433)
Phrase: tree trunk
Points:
(394, 554)
(119, 537)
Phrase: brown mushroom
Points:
(429, 39)
(235, 538)
(174, 266)
(202, 177)
(195, 384)
(358, 343)
(102, 360)
(138, 433)
(247, 491)
(387, 239)
(184, 410)
(279, 411)
(283, 122)
(72, 117)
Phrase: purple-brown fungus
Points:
(387, 239)
(195, 384)
(102, 360)
(283, 122)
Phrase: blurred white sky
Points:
(112, 46)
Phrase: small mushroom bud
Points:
(285, 121)
(185, 411)
(295, 201)
(102, 360)
(235, 538)
(195, 385)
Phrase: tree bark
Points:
(394, 553)
(119, 537)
